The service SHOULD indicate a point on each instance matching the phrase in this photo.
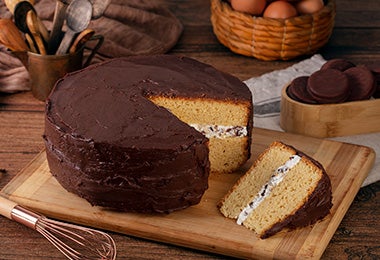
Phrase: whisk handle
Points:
(6, 207)
(18, 213)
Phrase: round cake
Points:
(139, 133)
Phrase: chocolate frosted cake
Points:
(122, 134)
(284, 188)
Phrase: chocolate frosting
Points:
(316, 207)
(108, 143)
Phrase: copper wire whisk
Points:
(75, 242)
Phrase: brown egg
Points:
(254, 7)
(309, 6)
(280, 9)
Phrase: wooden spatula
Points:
(11, 37)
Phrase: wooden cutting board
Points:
(202, 226)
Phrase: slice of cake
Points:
(284, 188)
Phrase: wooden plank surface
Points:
(356, 37)
(202, 226)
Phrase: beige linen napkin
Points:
(266, 90)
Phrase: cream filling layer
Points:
(220, 131)
(266, 189)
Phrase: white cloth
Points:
(266, 90)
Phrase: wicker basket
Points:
(272, 39)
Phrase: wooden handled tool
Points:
(20, 11)
(11, 37)
(58, 21)
(81, 40)
(31, 21)
(74, 241)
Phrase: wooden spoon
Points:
(81, 40)
(31, 43)
(31, 21)
(20, 11)
(58, 21)
(11, 37)
(78, 16)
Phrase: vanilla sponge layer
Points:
(226, 154)
(283, 201)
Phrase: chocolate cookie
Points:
(297, 90)
(328, 86)
(362, 83)
(376, 72)
(338, 64)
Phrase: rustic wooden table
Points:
(356, 37)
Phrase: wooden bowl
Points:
(272, 39)
(329, 120)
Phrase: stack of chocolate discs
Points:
(376, 71)
(337, 81)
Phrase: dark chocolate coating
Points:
(338, 64)
(297, 90)
(362, 83)
(106, 142)
(316, 207)
(328, 86)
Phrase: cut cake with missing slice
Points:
(284, 188)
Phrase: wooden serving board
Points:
(202, 226)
